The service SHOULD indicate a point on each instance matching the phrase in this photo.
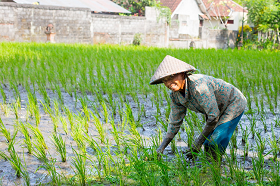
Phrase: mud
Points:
(39, 175)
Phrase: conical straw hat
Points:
(170, 65)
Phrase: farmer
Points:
(220, 102)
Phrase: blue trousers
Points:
(220, 137)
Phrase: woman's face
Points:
(175, 82)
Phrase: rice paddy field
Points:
(86, 115)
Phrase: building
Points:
(224, 14)
(189, 15)
(96, 6)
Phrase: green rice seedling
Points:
(37, 115)
(277, 122)
(262, 104)
(232, 152)
(194, 117)
(60, 145)
(245, 134)
(101, 130)
(85, 108)
(5, 132)
(16, 107)
(39, 150)
(260, 142)
(163, 123)
(56, 108)
(78, 136)
(157, 104)
(32, 104)
(234, 140)
(249, 101)
(112, 102)
(50, 167)
(14, 160)
(58, 91)
(69, 116)
(274, 173)
(54, 119)
(256, 100)
(27, 136)
(95, 110)
(37, 134)
(24, 173)
(116, 134)
(130, 117)
(3, 94)
(215, 167)
(258, 169)
(13, 140)
(123, 123)
(240, 174)
(258, 163)
(107, 160)
(190, 134)
(164, 172)
(274, 144)
(129, 114)
(246, 147)
(105, 112)
(99, 154)
(253, 123)
(6, 109)
(143, 110)
(263, 119)
(173, 146)
(64, 124)
(16, 91)
(85, 123)
(167, 111)
(44, 93)
(157, 139)
(181, 170)
(136, 139)
(79, 167)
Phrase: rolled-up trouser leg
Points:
(220, 137)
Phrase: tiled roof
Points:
(172, 4)
(222, 8)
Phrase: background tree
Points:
(265, 15)
(137, 7)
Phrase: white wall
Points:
(216, 24)
(188, 17)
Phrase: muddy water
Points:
(38, 175)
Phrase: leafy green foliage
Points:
(264, 14)
(137, 8)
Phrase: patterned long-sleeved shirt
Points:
(212, 97)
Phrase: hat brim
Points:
(159, 81)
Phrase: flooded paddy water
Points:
(150, 126)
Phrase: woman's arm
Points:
(176, 117)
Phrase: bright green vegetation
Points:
(117, 78)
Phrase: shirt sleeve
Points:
(176, 117)
(204, 95)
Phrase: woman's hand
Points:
(192, 152)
